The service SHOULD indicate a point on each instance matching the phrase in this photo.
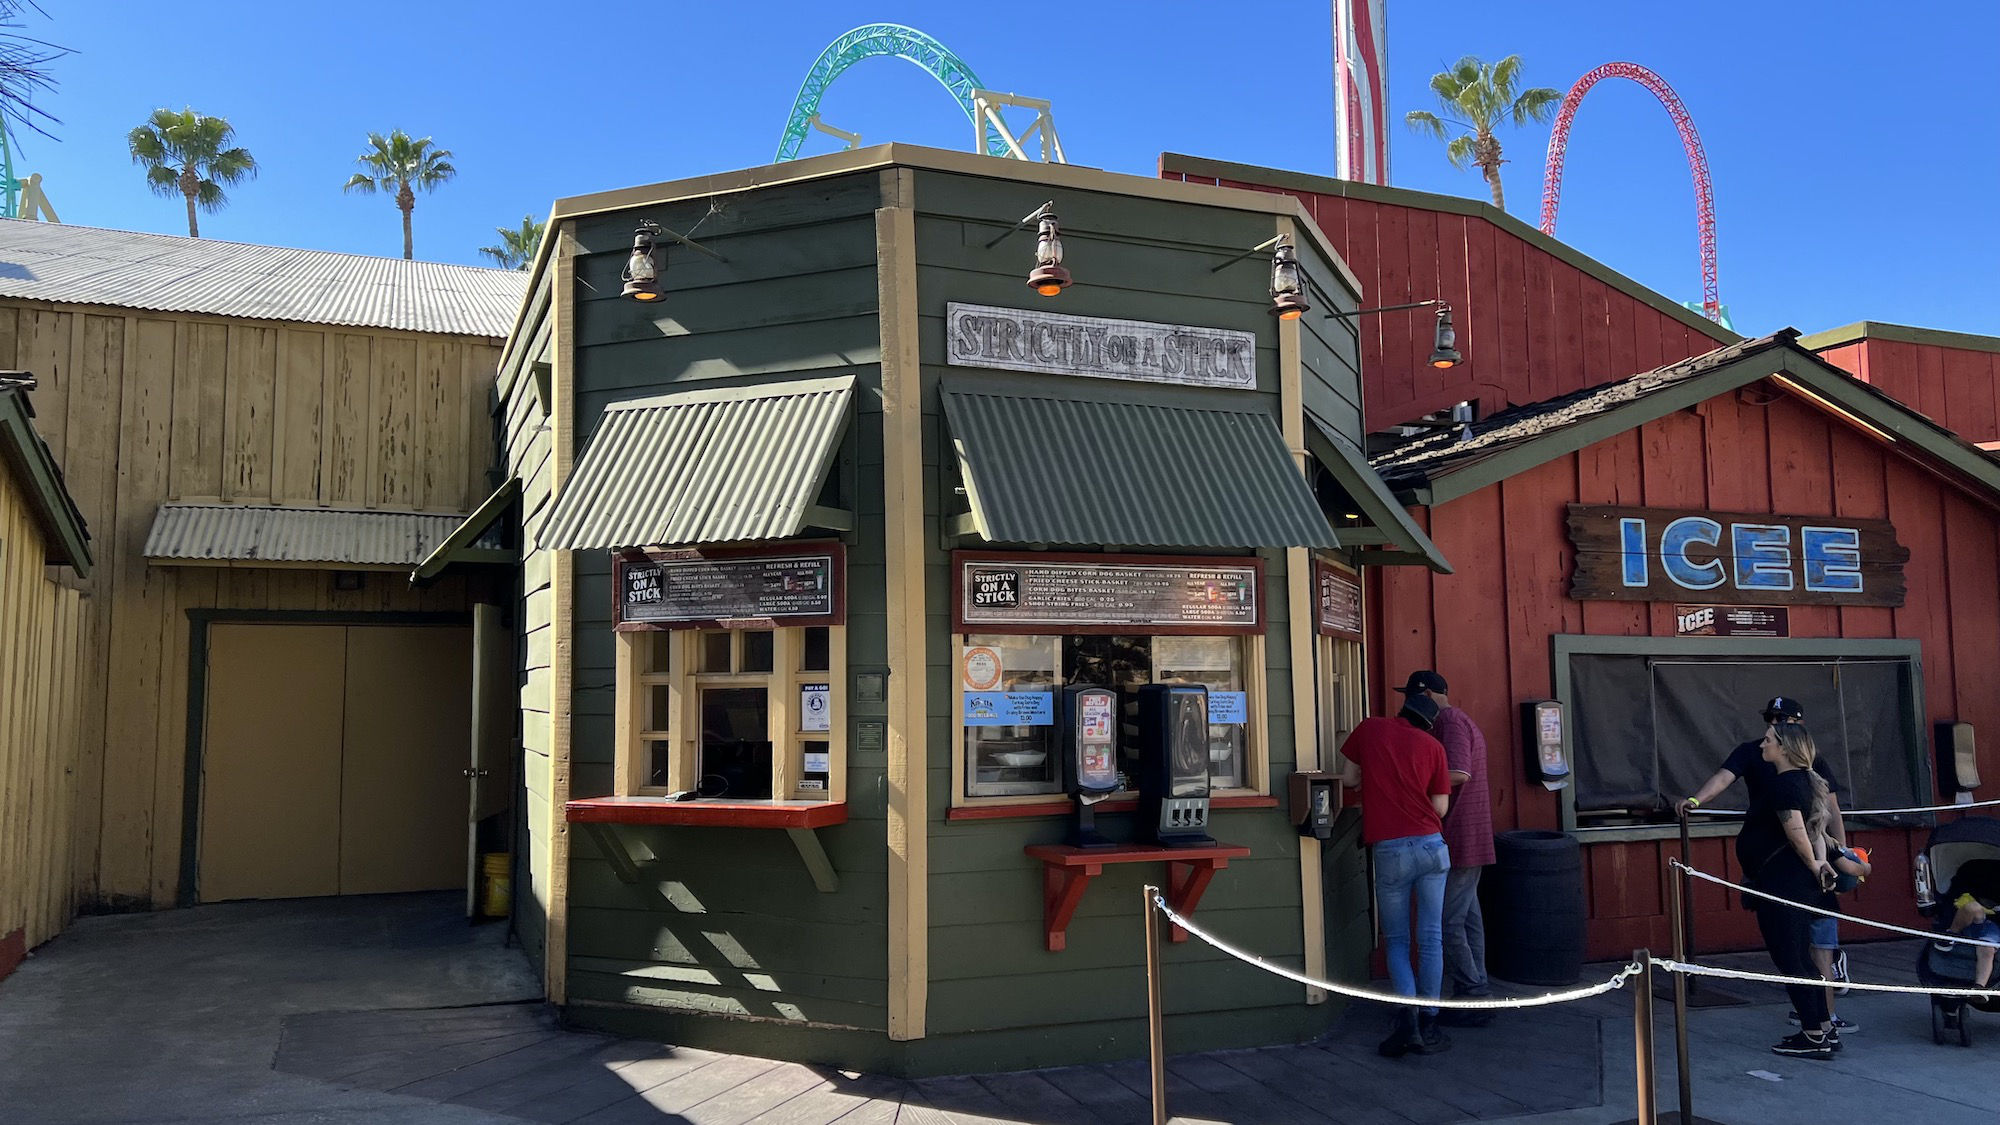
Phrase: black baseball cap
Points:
(1425, 680)
(1421, 710)
(1784, 707)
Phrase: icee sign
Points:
(1739, 558)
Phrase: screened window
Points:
(1647, 731)
(1009, 706)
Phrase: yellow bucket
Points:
(497, 887)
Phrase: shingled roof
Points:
(169, 273)
(1521, 437)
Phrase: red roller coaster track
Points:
(1704, 199)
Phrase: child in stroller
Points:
(1963, 857)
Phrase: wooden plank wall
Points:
(1530, 325)
(142, 408)
(1487, 627)
(42, 654)
(1958, 388)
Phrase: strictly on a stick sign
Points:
(1734, 558)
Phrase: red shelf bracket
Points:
(1067, 872)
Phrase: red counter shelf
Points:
(595, 816)
(1067, 872)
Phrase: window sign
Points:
(1167, 595)
(1337, 598)
(1664, 554)
(730, 587)
(1010, 709)
(1229, 708)
(815, 707)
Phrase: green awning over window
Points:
(1134, 474)
(705, 466)
(1346, 464)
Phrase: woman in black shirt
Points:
(1783, 850)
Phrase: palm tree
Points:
(397, 160)
(1475, 96)
(190, 154)
(517, 247)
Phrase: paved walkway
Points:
(392, 1010)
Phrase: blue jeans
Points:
(1412, 869)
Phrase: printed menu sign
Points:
(1105, 593)
(739, 587)
(1337, 599)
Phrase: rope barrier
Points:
(1617, 981)
(1933, 935)
(1865, 812)
(1674, 966)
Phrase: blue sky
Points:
(1852, 161)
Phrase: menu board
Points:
(1105, 594)
(1337, 602)
(737, 587)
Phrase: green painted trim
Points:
(35, 468)
(1831, 385)
(457, 546)
(1450, 204)
(1898, 333)
(1564, 645)
(199, 620)
(1350, 467)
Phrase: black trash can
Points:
(1532, 898)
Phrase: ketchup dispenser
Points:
(1173, 764)
(1089, 757)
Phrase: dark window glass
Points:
(756, 651)
(819, 646)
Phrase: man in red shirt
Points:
(1405, 787)
(1468, 832)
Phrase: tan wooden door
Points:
(333, 760)
(270, 808)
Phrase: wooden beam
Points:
(833, 519)
(562, 586)
(905, 550)
(823, 875)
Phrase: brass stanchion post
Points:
(1642, 1034)
(1156, 1028)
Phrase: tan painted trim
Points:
(1448, 204)
(562, 585)
(1298, 624)
(1900, 334)
(904, 546)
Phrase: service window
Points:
(1008, 703)
(1648, 729)
(721, 696)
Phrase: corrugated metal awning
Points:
(254, 535)
(710, 466)
(1057, 470)
(1345, 462)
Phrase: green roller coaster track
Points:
(883, 39)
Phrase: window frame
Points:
(782, 685)
(1564, 645)
(1256, 748)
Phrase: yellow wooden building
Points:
(266, 441)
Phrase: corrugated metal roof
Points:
(168, 273)
(711, 466)
(1052, 470)
(336, 537)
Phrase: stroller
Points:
(1963, 857)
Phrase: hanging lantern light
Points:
(642, 275)
(1288, 298)
(1048, 277)
(1444, 348)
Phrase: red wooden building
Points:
(1949, 377)
(1760, 434)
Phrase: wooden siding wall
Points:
(143, 408)
(1487, 628)
(726, 920)
(990, 972)
(1958, 388)
(43, 655)
(1530, 325)
(527, 437)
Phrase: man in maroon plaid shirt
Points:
(1468, 832)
